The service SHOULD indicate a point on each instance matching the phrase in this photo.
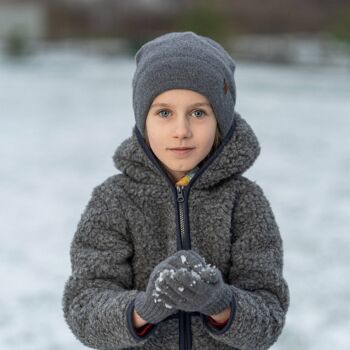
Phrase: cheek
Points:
(151, 133)
(210, 143)
(155, 141)
(208, 139)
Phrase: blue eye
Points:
(202, 113)
(163, 110)
(198, 113)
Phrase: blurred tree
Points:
(16, 43)
(207, 18)
(340, 27)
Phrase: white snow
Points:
(195, 275)
(62, 116)
(183, 259)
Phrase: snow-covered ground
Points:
(61, 117)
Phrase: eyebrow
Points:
(170, 105)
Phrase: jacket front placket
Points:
(184, 241)
(180, 201)
(181, 191)
(185, 341)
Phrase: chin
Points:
(183, 167)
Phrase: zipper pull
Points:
(180, 197)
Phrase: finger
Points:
(197, 257)
(209, 274)
(178, 302)
(186, 284)
(173, 296)
(185, 258)
(200, 266)
(162, 292)
(164, 300)
(192, 259)
(160, 269)
(160, 282)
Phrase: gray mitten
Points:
(149, 304)
(195, 285)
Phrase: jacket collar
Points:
(185, 180)
(237, 152)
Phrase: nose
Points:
(182, 128)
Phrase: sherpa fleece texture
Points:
(130, 225)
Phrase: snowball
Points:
(181, 289)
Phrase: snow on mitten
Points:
(195, 285)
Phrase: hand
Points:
(149, 304)
(194, 285)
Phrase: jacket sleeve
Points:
(98, 297)
(260, 293)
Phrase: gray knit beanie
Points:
(185, 60)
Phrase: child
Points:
(180, 250)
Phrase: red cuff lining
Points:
(216, 323)
(143, 330)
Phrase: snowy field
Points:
(61, 117)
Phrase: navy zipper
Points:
(180, 201)
(185, 341)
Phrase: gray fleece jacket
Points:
(132, 222)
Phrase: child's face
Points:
(180, 118)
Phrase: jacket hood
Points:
(237, 152)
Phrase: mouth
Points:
(181, 150)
